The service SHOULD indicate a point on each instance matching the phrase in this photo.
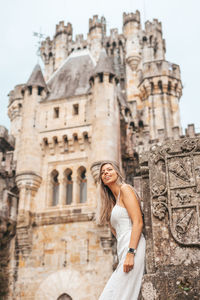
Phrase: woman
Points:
(120, 208)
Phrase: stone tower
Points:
(106, 97)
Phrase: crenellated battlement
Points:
(160, 68)
(131, 17)
(97, 22)
(154, 26)
(47, 50)
(17, 94)
(62, 28)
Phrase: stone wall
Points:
(8, 207)
(171, 187)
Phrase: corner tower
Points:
(105, 111)
(29, 155)
(96, 35)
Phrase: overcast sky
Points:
(20, 18)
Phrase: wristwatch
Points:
(132, 251)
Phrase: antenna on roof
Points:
(144, 9)
(39, 37)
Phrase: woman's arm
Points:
(131, 204)
(113, 230)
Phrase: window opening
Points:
(69, 187)
(56, 112)
(83, 186)
(55, 187)
(75, 109)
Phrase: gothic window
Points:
(75, 109)
(66, 145)
(100, 75)
(114, 44)
(55, 187)
(55, 140)
(30, 90)
(169, 87)
(141, 124)
(56, 112)
(111, 76)
(126, 112)
(144, 39)
(40, 89)
(152, 87)
(64, 297)
(69, 186)
(82, 184)
(160, 86)
(132, 124)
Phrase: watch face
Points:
(131, 250)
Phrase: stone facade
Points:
(106, 97)
(171, 182)
(8, 206)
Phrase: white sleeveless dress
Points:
(121, 285)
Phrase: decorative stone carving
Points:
(175, 182)
(160, 208)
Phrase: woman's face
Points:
(108, 174)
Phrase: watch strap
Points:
(132, 250)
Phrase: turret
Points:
(105, 128)
(161, 88)
(29, 156)
(131, 29)
(15, 113)
(48, 57)
(62, 38)
(96, 35)
(55, 52)
(153, 42)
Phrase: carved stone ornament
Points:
(175, 188)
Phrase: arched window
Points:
(55, 187)
(64, 297)
(69, 186)
(83, 184)
(141, 124)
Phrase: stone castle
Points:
(107, 97)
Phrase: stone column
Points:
(62, 190)
(75, 191)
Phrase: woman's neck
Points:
(115, 188)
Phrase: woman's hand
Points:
(128, 263)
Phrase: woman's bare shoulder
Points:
(127, 188)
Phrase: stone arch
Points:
(55, 185)
(82, 180)
(63, 282)
(64, 297)
(68, 186)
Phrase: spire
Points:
(36, 78)
(104, 64)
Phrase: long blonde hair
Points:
(107, 199)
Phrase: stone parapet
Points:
(62, 28)
(96, 22)
(153, 26)
(131, 17)
(160, 68)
